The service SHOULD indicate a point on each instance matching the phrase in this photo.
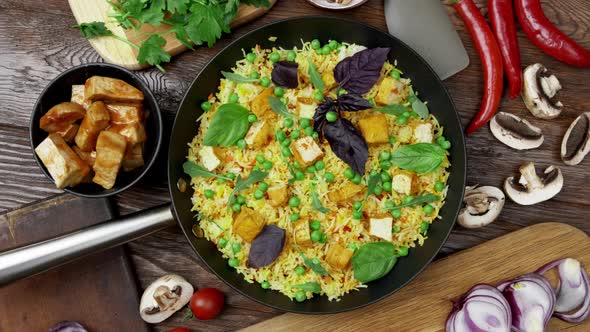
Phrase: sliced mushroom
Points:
(515, 132)
(482, 206)
(576, 142)
(164, 297)
(532, 189)
(539, 91)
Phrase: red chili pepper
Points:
(501, 16)
(547, 37)
(491, 59)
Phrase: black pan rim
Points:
(462, 155)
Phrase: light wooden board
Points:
(424, 304)
(119, 53)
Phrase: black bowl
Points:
(59, 90)
(289, 33)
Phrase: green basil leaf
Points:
(314, 265)
(393, 109)
(278, 107)
(315, 201)
(195, 170)
(229, 124)
(421, 157)
(419, 107)
(238, 78)
(373, 261)
(241, 184)
(372, 183)
(313, 287)
(315, 77)
(422, 199)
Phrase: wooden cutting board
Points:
(424, 304)
(119, 53)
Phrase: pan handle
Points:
(39, 257)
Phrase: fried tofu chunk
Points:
(112, 90)
(423, 133)
(96, 119)
(133, 157)
(381, 228)
(404, 182)
(306, 110)
(259, 134)
(61, 116)
(125, 113)
(328, 78)
(209, 158)
(87, 157)
(391, 91)
(306, 151)
(248, 224)
(302, 233)
(374, 129)
(69, 133)
(133, 132)
(110, 149)
(278, 195)
(78, 96)
(345, 194)
(260, 105)
(64, 165)
(338, 256)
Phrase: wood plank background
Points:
(37, 43)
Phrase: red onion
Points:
(531, 300)
(481, 309)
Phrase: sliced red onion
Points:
(531, 300)
(483, 308)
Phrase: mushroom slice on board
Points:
(482, 206)
(164, 297)
(576, 142)
(515, 132)
(532, 189)
(539, 91)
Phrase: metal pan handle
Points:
(39, 257)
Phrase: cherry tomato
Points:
(207, 303)
(180, 329)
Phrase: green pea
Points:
(378, 190)
(258, 194)
(340, 91)
(315, 135)
(391, 139)
(265, 82)
(324, 238)
(252, 118)
(349, 173)
(288, 122)
(231, 175)
(206, 106)
(330, 177)
(267, 164)
(385, 177)
(285, 151)
(395, 229)
(233, 262)
(396, 213)
(294, 217)
(299, 175)
(395, 74)
(295, 134)
(254, 75)
(318, 51)
(331, 116)
(291, 55)
(236, 207)
(220, 180)
(440, 140)
(310, 169)
(286, 142)
(241, 199)
(241, 144)
(357, 179)
(233, 98)
(250, 57)
(408, 199)
(385, 164)
(315, 225)
(294, 201)
(236, 247)
(333, 44)
(439, 186)
(280, 135)
(308, 131)
(353, 246)
(279, 92)
(406, 114)
(300, 296)
(326, 50)
(424, 227)
(446, 145)
(222, 243)
(385, 155)
(387, 186)
(263, 186)
(318, 95)
(374, 172)
(389, 205)
(315, 44)
(320, 165)
(256, 168)
(299, 270)
(209, 193)
(274, 57)
(305, 123)
(428, 209)
(401, 120)
(357, 214)
(265, 285)
(357, 205)
(296, 165)
(260, 158)
(316, 236)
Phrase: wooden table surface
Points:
(37, 43)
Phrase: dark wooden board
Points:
(99, 291)
(36, 43)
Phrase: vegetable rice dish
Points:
(316, 168)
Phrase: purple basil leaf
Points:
(68, 326)
(358, 73)
(348, 144)
(284, 74)
(353, 103)
(267, 246)
(319, 118)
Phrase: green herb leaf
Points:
(228, 126)
(393, 109)
(421, 157)
(195, 170)
(177, 6)
(313, 287)
(241, 184)
(314, 265)
(278, 107)
(315, 77)
(372, 183)
(151, 52)
(238, 78)
(206, 23)
(422, 199)
(419, 107)
(188, 314)
(315, 200)
(153, 14)
(94, 29)
(373, 261)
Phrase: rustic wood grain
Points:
(36, 43)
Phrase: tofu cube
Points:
(328, 78)
(338, 256)
(248, 224)
(61, 116)
(302, 234)
(403, 182)
(391, 91)
(374, 129)
(306, 110)
(381, 228)
(87, 157)
(133, 157)
(111, 89)
(306, 151)
(259, 134)
(133, 132)
(346, 193)
(96, 119)
(62, 163)
(278, 195)
(125, 113)
(209, 158)
(78, 96)
(69, 133)
(261, 107)
(110, 149)
(423, 133)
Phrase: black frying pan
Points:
(289, 33)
